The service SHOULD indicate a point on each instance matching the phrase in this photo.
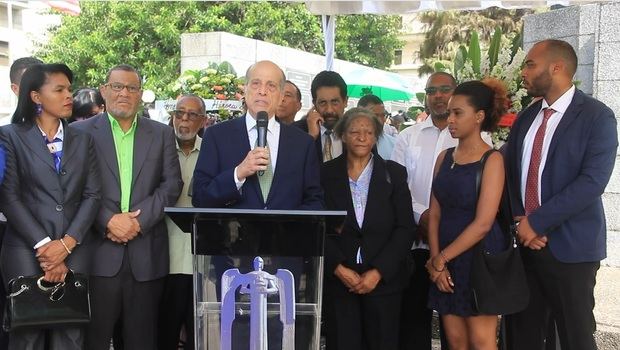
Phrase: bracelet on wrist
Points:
(443, 256)
(65, 245)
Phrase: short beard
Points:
(186, 137)
(442, 116)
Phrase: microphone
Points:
(262, 119)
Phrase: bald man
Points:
(229, 168)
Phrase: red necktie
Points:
(531, 186)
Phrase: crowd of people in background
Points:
(86, 180)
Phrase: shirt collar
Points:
(114, 123)
(197, 143)
(60, 133)
(250, 123)
(562, 103)
(428, 123)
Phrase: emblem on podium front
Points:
(258, 284)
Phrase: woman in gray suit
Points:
(50, 195)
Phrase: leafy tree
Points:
(147, 35)
(447, 30)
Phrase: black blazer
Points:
(303, 125)
(39, 202)
(386, 235)
(156, 183)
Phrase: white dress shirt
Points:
(559, 106)
(417, 148)
(336, 143)
(273, 141)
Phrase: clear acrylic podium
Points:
(228, 239)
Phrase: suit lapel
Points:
(251, 183)
(528, 118)
(572, 112)
(286, 147)
(143, 139)
(67, 148)
(375, 188)
(103, 131)
(343, 190)
(33, 139)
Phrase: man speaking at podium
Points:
(234, 171)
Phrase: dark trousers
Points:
(122, 297)
(176, 310)
(363, 322)
(564, 291)
(4, 336)
(416, 317)
(47, 339)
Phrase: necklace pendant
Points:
(452, 166)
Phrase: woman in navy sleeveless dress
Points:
(460, 218)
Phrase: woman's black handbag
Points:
(34, 303)
(498, 282)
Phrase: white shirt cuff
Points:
(238, 182)
(42, 242)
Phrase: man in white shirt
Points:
(329, 97)
(417, 148)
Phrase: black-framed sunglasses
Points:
(444, 89)
(193, 116)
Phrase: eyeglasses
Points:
(118, 87)
(193, 116)
(444, 89)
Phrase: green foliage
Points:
(459, 59)
(146, 34)
(447, 30)
(474, 52)
(368, 39)
(218, 82)
(494, 46)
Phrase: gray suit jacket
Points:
(156, 184)
(39, 202)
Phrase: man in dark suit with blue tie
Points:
(226, 171)
(559, 158)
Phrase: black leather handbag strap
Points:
(505, 207)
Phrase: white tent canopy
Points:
(331, 8)
(401, 7)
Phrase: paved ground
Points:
(606, 311)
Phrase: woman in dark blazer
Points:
(50, 194)
(366, 256)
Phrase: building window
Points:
(17, 18)
(398, 57)
(4, 53)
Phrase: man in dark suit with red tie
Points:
(559, 158)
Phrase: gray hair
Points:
(354, 113)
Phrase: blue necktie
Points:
(55, 148)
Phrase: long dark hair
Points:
(33, 79)
(83, 102)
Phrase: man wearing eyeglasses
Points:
(140, 176)
(417, 148)
(177, 308)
